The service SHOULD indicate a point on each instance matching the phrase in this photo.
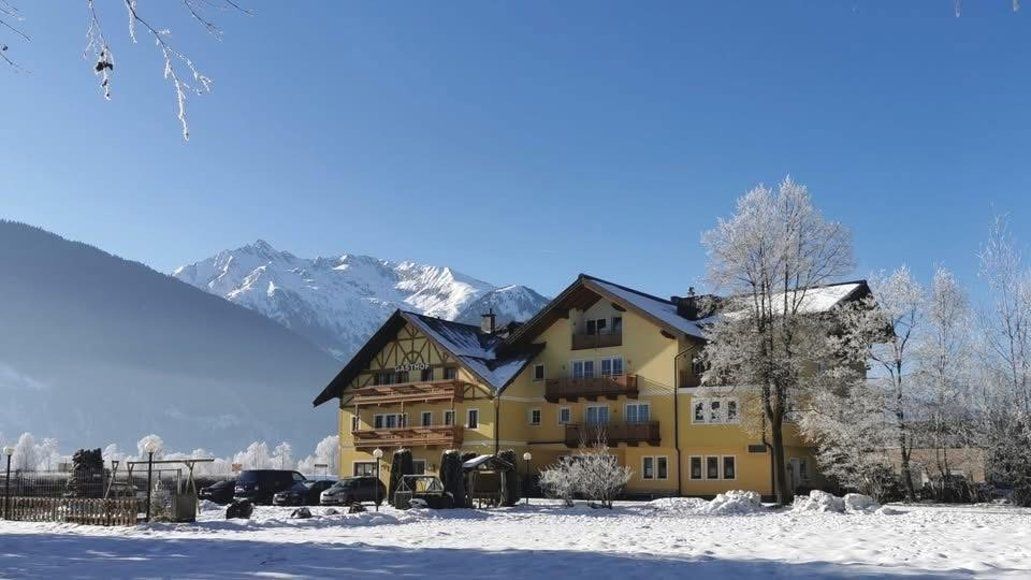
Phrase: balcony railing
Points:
(612, 433)
(413, 392)
(434, 436)
(591, 388)
(582, 341)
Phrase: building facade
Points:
(601, 362)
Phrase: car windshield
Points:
(345, 484)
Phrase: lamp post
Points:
(378, 454)
(8, 451)
(151, 447)
(526, 458)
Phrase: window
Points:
(450, 373)
(612, 366)
(427, 418)
(390, 421)
(426, 374)
(418, 466)
(473, 418)
(638, 413)
(535, 416)
(596, 326)
(400, 377)
(712, 468)
(654, 467)
(648, 468)
(729, 467)
(364, 468)
(449, 417)
(617, 324)
(354, 423)
(538, 372)
(583, 369)
(696, 468)
(597, 415)
(715, 411)
(382, 378)
(565, 415)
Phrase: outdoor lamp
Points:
(8, 451)
(151, 446)
(527, 457)
(377, 453)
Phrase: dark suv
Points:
(259, 485)
(355, 490)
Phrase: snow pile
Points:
(821, 501)
(734, 502)
(730, 503)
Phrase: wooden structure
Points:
(632, 434)
(486, 479)
(430, 436)
(99, 512)
(590, 388)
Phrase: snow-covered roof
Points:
(477, 461)
(813, 301)
(663, 310)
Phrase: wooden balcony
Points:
(582, 341)
(413, 392)
(591, 388)
(433, 436)
(632, 434)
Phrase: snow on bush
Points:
(821, 501)
(735, 502)
(593, 473)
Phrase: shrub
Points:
(511, 478)
(592, 473)
(453, 476)
(400, 466)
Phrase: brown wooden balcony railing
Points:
(413, 392)
(433, 436)
(612, 433)
(591, 388)
(582, 341)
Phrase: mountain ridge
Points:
(337, 303)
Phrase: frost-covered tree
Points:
(26, 454)
(944, 364)
(1004, 396)
(769, 256)
(282, 456)
(256, 456)
(178, 69)
(327, 452)
(592, 472)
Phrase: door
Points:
(597, 415)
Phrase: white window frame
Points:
(721, 417)
(723, 467)
(583, 368)
(644, 469)
(611, 360)
(608, 414)
(529, 417)
(422, 419)
(544, 374)
(701, 468)
(469, 418)
(568, 420)
(638, 405)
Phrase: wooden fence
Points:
(100, 512)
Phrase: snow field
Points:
(664, 538)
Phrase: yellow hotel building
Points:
(600, 358)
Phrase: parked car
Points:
(303, 493)
(220, 492)
(259, 485)
(355, 490)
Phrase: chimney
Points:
(693, 306)
(487, 322)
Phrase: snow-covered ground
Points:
(666, 538)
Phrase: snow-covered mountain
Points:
(337, 303)
(95, 349)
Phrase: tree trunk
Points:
(780, 477)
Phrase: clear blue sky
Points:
(527, 141)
